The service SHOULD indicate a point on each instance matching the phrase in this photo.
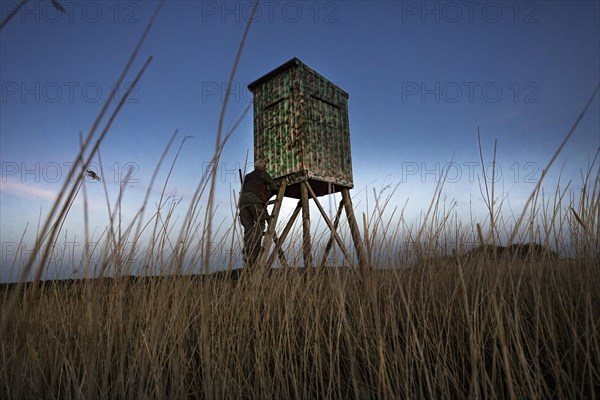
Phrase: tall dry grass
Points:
(424, 322)
(442, 329)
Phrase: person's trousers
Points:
(252, 217)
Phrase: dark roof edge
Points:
(276, 71)
(283, 67)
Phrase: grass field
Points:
(439, 330)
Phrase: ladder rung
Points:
(269, 234)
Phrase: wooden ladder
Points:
(270, 234)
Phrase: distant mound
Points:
(517, 251)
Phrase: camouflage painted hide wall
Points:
(301, 127)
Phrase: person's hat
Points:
(260, 164)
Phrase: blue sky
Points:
(422, 77)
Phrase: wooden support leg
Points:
(360, 251)
(284, 234)
(336, 222)
(279, 252)
(306, 243)
(329, 224)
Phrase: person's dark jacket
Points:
(258, 187)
